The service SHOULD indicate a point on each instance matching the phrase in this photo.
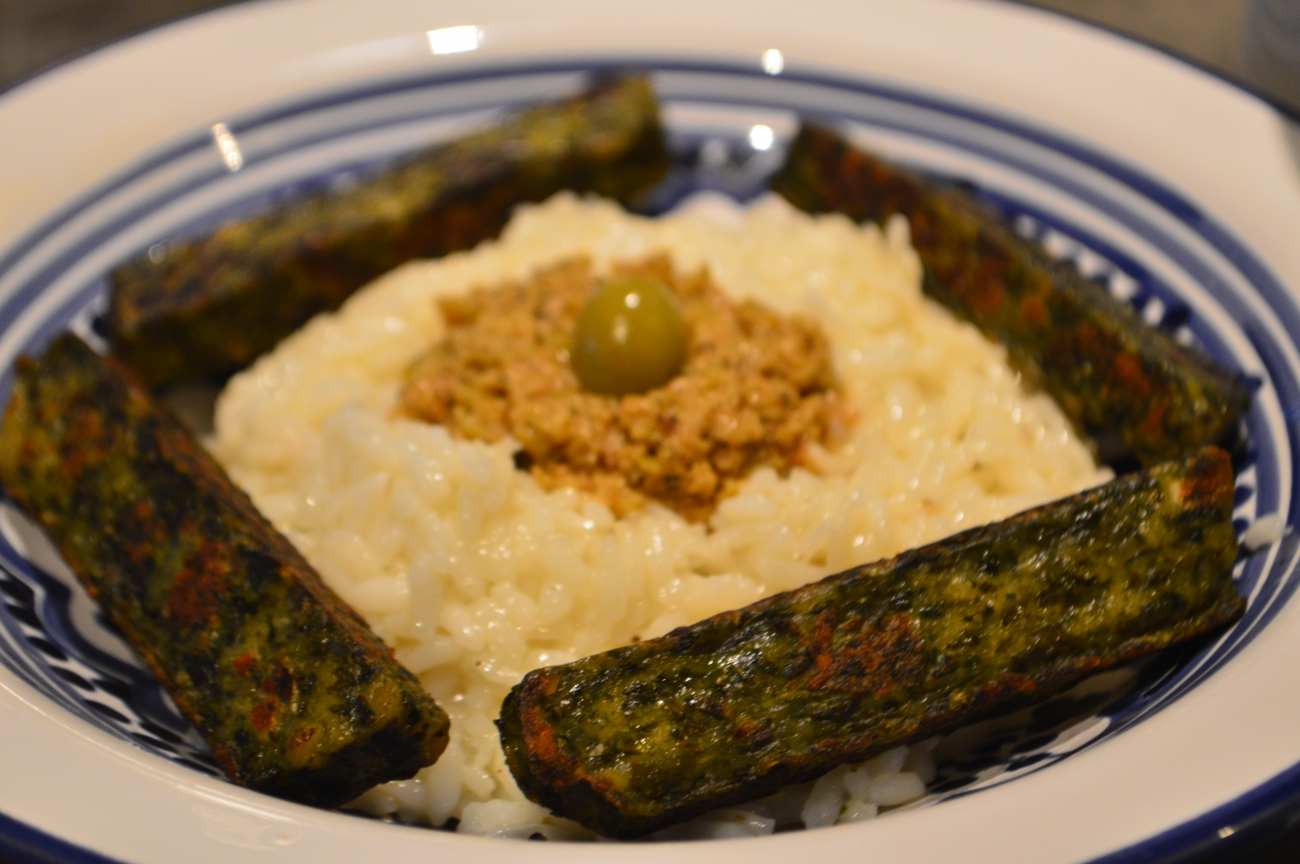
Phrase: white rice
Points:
(475, 575)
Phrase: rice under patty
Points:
(476, 575)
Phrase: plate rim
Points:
(1238, 82)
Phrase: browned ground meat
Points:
(757, 388)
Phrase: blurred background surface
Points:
(1255, 43)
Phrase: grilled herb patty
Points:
(210, 305)
(738, 705)
(1126, 384)
(292, 691)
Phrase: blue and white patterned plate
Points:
(1113, 214)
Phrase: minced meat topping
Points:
(756, 389)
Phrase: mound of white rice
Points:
(476, 576)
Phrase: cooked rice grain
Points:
(475, 575)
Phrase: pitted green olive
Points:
(630, 337)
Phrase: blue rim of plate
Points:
(22, 844)
(1177, 265)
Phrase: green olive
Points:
(630, 337)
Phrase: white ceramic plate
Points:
(1180, 192)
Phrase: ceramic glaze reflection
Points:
(455, 40)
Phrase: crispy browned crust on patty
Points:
(1128, 385)
(736, 706)
(294, 694)
(213, 303)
